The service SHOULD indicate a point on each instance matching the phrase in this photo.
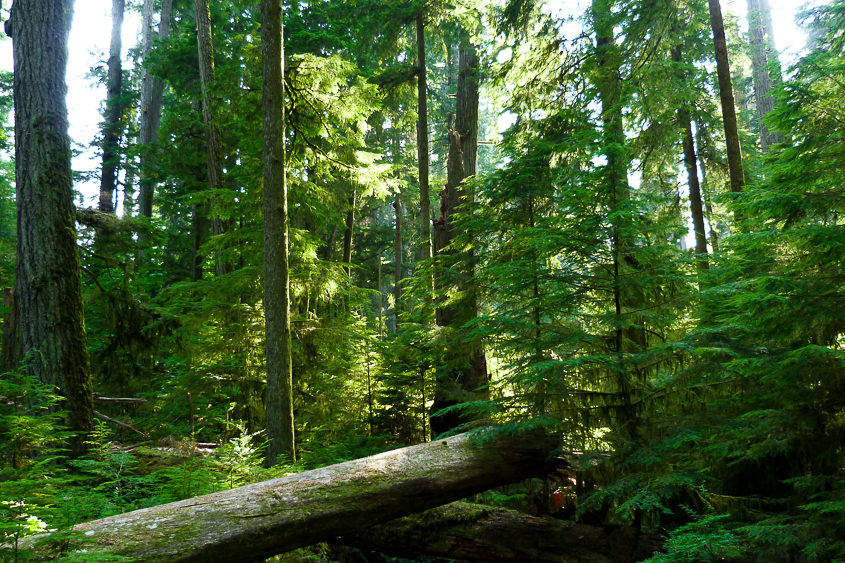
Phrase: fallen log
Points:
(462, 531)
(263, 519)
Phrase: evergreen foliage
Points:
(707, 405)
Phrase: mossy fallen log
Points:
(257, 521)
(462, 531)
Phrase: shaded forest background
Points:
(546, 283)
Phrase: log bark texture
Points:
(470, 532)
(257, 521)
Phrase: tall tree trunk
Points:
(466, 116)
(422, 141)
(627, 335)
(463, 376)
(213, 146)
(114, 113)
(691, 163)
(726, 95)
(280, 425)
(48, 288)
(760, 70)
(199, 228)
(152, 95)
(613, 136)
(397, 260)
(776, 72)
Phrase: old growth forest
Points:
(466, 280)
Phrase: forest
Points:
(464, 280)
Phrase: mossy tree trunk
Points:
(280, 423)
(48, 288)
(462, 377)
(263, 519)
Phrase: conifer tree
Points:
(726, 95)
(112, 127)
(280, 422)
(48, 296)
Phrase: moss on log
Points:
(263, 519)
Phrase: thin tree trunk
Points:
(760, 70)
(691, 163)
(213, 145)
(257, 521)
(280, 422)
(348, 232)
(48, 288)
(380, 300)
(705, 191)
(328, 253)
(128, 200)
(726, 95)
(199, 228)
(397, 260)
(114, 113)
(152, 95)
(422, 141)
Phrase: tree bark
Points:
(691, 163)
(705, 192)
(114, 113)
(213, 145)
(152, 95)
(726, 95)
(466, 116)
(280, 423)
(263, 519)
(422, 141)
(628, 334)
(397, 259)
(462, 377)
(470, 532)
(48, 288)
(760, 70)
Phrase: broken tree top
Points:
(257, 521)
